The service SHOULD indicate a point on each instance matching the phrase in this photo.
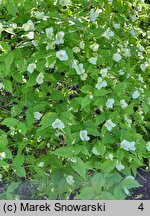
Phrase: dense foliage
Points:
(74, 96)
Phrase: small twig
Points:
(142, 177)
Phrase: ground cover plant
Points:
(74, 97)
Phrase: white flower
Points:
(70, 180)
(40, 78)
(83, 76)
(143, 66)
(73, 160)
(90, 95)
(140, 47)
(58, 124)
(94, 47)
(80, 70)
(49, 32)
(109, 125)
(141, 78)
(37, 115)
(148, 146)
(128, 145)
(81, 45)
(109, 103)
(129, 121)
(123, 104)
(1, 86)
(2, 155)
(31, 67)
(41, 164)
(116, 25)
(110, 156)
(76, 49)
(132, 32)
(94, 151)
(29, 26)
(84, 136)
(93, 60)
(78, 67)
(126, 52)
(108, 33)
(62, 55)
(101, 83)
(64, 2)
(94, 14)
(117, 57)
(35, 43)
(119, 166)
(30, 35)
(104, 72)
(135, 94)
(39, 15)
(59, 37)
(121, 72)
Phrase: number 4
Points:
(141, 207)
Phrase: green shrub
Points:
(75, 96)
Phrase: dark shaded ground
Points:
(27, 191)
(141, 193)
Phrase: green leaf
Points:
(48, 119)
(13, 186)
(101, 92)
(12, 9)
(20, 171)
(119, 88)
(86, 88)
(29, 118)
(8, 62)
(85, 101)
(3, 141)
(19, 159)
(105, 196)
(10, 122)
(22, 128)
(64, 151)
(93, 131)
(119, 193)
(79, 167)
(86, 193)
(129, 182)
(8, 85)
(108, 166)
(98, 181)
